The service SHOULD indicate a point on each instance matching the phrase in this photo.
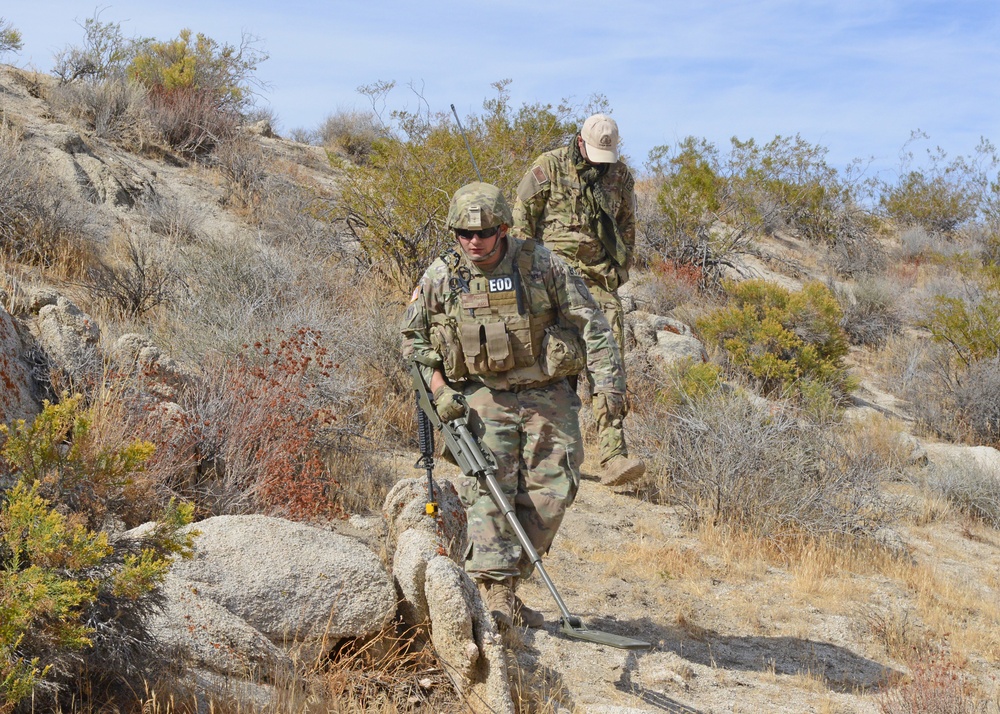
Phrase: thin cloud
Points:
(854, 76)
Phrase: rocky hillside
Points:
(217, 306)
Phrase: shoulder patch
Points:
(628, 181)
(533, 183)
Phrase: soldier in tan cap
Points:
(496, 326)
(579, 201)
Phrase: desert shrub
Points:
(711, 205)
(10, 37)
(243, 166)
(917, 243)
(73, 598)
(257, 422)
(190, 120)
(942, 193)
(197, 87)
(930, 202)
(935, 685)
(969, 323)
(703, 219)
(972, 488)
(171, 218)
(856, 251)
(777, 337)
(790, 183)
(688, 382)
(870, 313)
(234, 292)
(351, 134)
(977, 401)
(397, 203)
(989, 249)
(115, 109)
(667, 285)
(754, 465)
(39, 222)
(225, 72)
(104, 54)
(135, 283)
(57, 452)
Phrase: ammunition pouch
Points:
(563, 353)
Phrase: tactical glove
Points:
(449, 403)
(614, 404)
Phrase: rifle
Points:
(476, 460)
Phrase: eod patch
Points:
(500, 284)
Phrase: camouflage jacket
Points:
(549, 209)
(550, 286)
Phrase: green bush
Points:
(790, 176)
(777, 337)
(703, 219)
(10, 38)
(397, 202)
(711, 206)
(198, 88)
(969, 325)
(689, 382)
(943, 193)
(225, 72)
(73, 599)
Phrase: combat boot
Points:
(621, 470)
(498, 595)
(524, 616)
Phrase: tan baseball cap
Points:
(600, 134)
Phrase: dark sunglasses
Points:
(484, 233)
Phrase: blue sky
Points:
(856, 77)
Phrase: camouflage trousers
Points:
(610, 429)
(535, 436)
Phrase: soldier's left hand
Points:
(449, 403)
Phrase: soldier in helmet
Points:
(497, 326)
(579, 200)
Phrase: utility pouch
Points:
(444, 340)
(563, 352)
(500, 357)
(470, 336)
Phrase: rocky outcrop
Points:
(984, 459)
(199, 631)
(164, 375)
(665, 341)
(435, 589)
(69, 337)
(17, 389)
(303, 588)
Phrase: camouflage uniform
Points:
(522, 407)
(549, 208)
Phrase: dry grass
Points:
(39, 222)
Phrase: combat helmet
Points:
(478, 206)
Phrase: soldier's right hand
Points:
(449, 403)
